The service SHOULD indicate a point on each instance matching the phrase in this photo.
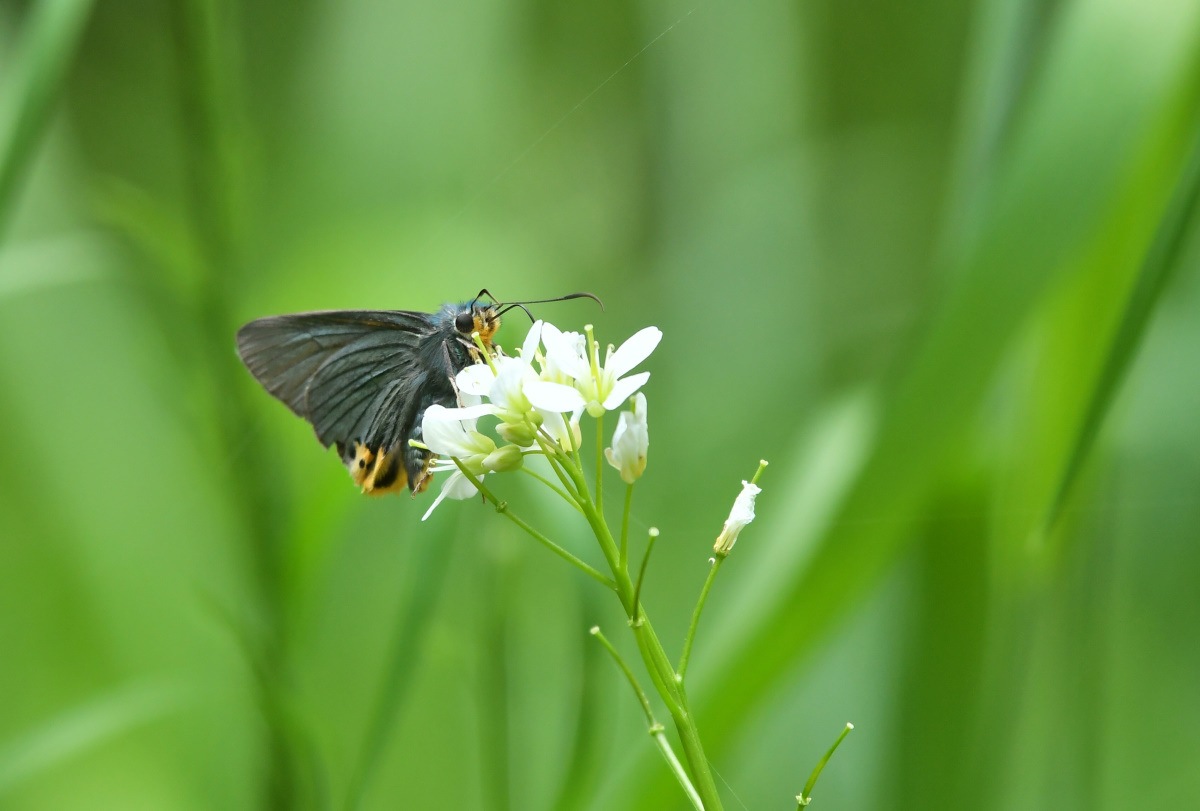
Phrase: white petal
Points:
(507, 390)
(476, 379)
(553, 396)
(565, 352)
(445, 438)
(623, 389)
(457, 486)
(444, 433)
(743, 506)
(532, 339)
(459, 414)
(634, 351)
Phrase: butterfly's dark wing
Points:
(353, 374)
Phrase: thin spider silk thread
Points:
(487, 187)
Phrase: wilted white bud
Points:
(741, 515)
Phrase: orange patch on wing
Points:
(362, 464)
(378, 473)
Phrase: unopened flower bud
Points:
(630, 441)
(506, 457)
(518, 433)
(741, 515)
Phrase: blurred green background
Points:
(931, 259)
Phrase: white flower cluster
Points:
(540, 396)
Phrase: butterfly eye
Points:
(464, 322)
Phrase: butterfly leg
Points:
(417, 460)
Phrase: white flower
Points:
(503, 383)
(630, 441)
(567, 347)
(598, 388)
(741, 515)
(452, 432)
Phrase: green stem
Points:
(502, 508)
(600, 464)
(805, 796)
(762, 465)
(691, 632)
(656, 729)
(658, 665)
(623, 556)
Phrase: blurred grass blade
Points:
(1160, 266)
(46, 49)
(83, 728)
(408, 636)
(58, 260)
(1048, 209)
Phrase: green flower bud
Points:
(506, 457)
(518, 433)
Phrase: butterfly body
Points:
(363, 379)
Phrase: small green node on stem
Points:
(657, 730)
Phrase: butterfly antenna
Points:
(514, 306)
(567, 297)
(481, 294)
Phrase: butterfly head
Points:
(482, 317)
(476, 316)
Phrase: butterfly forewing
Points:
(335, 369)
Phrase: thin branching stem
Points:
(656, 729)
(502, 508)
(550, 449)
(658, 665)
(691, 631)
(637, 590)
(805, 796)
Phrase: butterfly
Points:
(364, 378)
